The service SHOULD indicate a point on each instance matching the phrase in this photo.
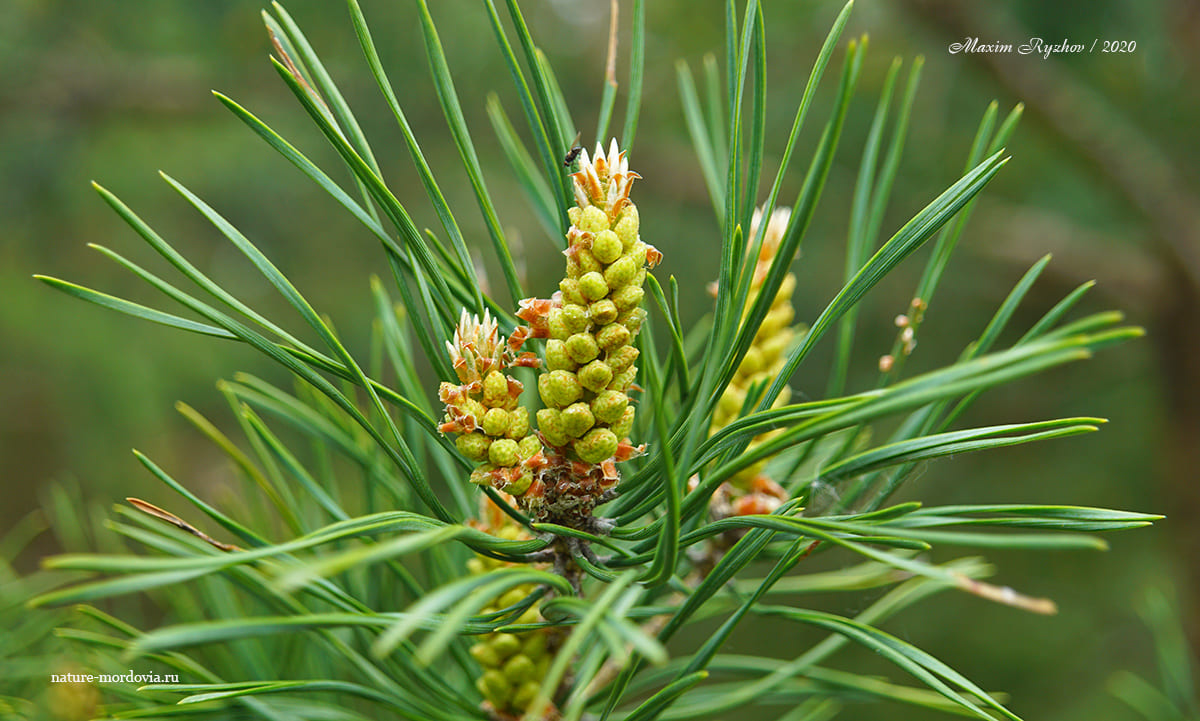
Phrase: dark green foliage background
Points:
(112, 90)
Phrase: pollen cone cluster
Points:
(560, 472)
(591, 322)
(750, 491)
(513, 664)
(493, 428)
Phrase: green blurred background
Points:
(1103, 176)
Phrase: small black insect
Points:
(573, 153)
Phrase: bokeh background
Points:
(1103, 176)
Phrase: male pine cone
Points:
(750, 491)
(593, 319)
(513, 664)
(560, 472)
(493, 427)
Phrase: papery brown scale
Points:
(526, 360)
(577, 239)
(654, 256)
(750, 505)
(519, 335)
(626, 450)
(766, 486)
(617, 206)
(590, 183)
(534, 308)
(536, 462)
(755, 504)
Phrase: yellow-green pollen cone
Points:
(512, 665)
(590, 324)
(492, 428)
(750, 491)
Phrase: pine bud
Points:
(609, 406)
(503, 452)
(587, 263)
(603, 311)
(564, 388)
(598, 445)
(525, 695)
(519, 669)
(535, 645)
(575, 317)
(628, 297)
(577, 419)
(777, 319)
(606, 246)
(752, 362)
(624, 427)
(484, 653)
(621, 358)
(473, 408)
(623, 380)
(633, 320)
(546, 390)
(557, 358)
(732, 400)
(529, 445)
(550, 424)
(593, 285)
(595, 376)
(494, 685)
(593, 220)
(558, 326)
(495, 422)
(613, 335)
(505, 644)
(571, 292)
(627, 227)
(639, 253)
(474, 446)
(518, 424)
(582, 347)
(495, 389)
(620, 273)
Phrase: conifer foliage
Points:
(635, 476)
